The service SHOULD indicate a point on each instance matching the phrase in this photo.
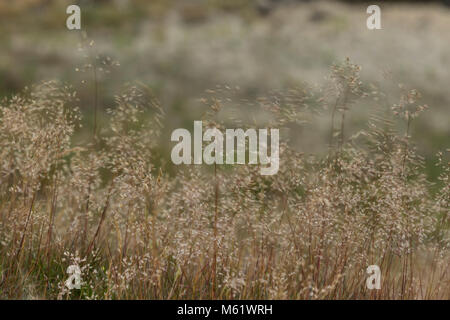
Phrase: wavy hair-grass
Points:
(136, 232)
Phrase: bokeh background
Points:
(181, 49)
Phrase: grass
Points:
(108, 204)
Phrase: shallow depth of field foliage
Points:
(139, 228)
(86, 177)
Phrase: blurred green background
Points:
(182, 48)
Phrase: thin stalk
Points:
(102, 218)
(216, 202)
